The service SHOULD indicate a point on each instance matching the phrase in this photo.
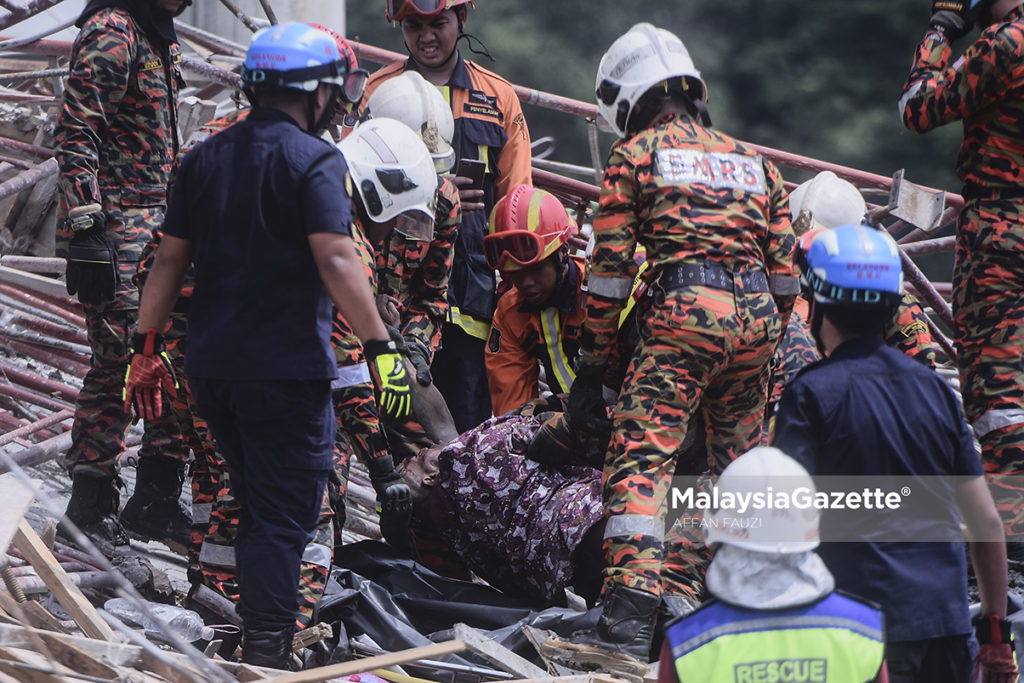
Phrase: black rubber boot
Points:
(153, 513)
(626, 624)
(272, 649)
(93, 509)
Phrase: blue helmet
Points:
(293, 55)
(852, 265)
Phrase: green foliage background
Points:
(817, 78)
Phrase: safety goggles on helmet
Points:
(396, 9)
(523, 248)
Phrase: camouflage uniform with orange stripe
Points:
(116, 140)
(981, 90)
(691, 196)
(415, 275)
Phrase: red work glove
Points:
(994, 663)
(149, 374)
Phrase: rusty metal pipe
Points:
(72, 364)
(914, 276)
(39, 424)
(65, 311)
(932, 246)
(28, 178)
(39, 383)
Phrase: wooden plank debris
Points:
(494, 653)
(324, 673)
(57, 580)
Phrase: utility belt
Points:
(712, 275)
(974, 192)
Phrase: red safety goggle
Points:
(524, 248)
(396, 9)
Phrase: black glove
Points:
(554, 442)
(587, 409)
(951, 18)
(419, 356)
(92, 259)
(395, 501)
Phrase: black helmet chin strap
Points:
(483, 51)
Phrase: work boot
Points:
(93, 509)
(153, 513)
(626, 624)
(271, 649)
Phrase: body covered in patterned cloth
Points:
(515, 523)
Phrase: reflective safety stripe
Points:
(610, 287)
(351, 375)
(201, 513)
(473, 327)
(631, 301)
(220, 555)
(224, 555)
(634, 525)
(997, 419)
(768, 623)
(317, 554)
(551, 327)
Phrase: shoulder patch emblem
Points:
(914, 328)
(494, 340)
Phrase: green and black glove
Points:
(92, 259)
(386, 364)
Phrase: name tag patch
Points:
(725, 170)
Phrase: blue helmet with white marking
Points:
(853, 266)
(293, 55)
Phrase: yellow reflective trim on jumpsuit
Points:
(551, 328)
(470, 325)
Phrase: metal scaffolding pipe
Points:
(250, 24)
(213, 73)
(34, 264)
(41, 423)
(39, 453)
(32, 397)
(35, 323)
(76, 366)
(26, 11)
(931, 246)
(18, 146)
(914, 276)
(38, 383)
(37, 304)
(28, 178)
(209, 40)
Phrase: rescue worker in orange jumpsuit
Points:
(537, 322)
(489, 127)
(712, 214)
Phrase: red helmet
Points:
(527, 226)
(396, 10)
(355, 79)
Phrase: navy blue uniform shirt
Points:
(248, 199)
(869, 409)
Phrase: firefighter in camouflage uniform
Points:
(981, 89)
(116, 141)
(713, 217)
(395, 191)
(413, 274)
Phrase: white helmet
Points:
(638, 60)
(828, 200)
(767, 525)
(394, 175)
(409, 98)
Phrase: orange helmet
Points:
(355, 79)
(527, 226)
(396, 10)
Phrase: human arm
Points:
(936, 92)
(512, 373)
(98, 79)
(987, 544)
(427, 305)
(797, 422)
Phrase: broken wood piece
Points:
(78, 659)
(40, 617)
(324, 673)
(28, 666)
(580, 658)
(57, 580)
(496, 654)
(313, 634)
